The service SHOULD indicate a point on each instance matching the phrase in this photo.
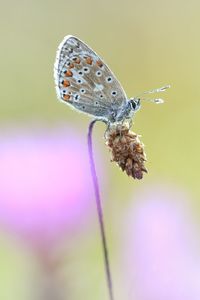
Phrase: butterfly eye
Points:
(135, 104)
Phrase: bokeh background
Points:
(50, 244)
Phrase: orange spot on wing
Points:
(68, 73)
(65, 83)
(99, 63)
(71, 66)
(78, 60)
(89, 60)
(66, 97)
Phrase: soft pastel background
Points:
(49, 235)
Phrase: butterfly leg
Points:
(128, 122)
(107, 128)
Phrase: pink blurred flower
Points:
(161, 259)
(45, 185)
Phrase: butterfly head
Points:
(135, 104)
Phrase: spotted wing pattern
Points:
(84, 81)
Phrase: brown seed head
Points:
(126, 150)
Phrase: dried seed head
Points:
(126, 150)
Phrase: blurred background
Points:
(50, 244)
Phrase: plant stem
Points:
(100, 212)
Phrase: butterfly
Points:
(85, 82)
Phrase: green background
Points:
(147, 44)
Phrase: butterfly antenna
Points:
(162, 89)
(154, 100)
(158, 90)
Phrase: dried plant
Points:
(126, 150)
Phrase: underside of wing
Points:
(84, 80)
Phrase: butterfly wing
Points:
(84, 81)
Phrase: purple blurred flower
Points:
(45, 185)
(161, 259)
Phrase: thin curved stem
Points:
(100, 212)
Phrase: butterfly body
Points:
(85, 82)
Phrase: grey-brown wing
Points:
(84, 81)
